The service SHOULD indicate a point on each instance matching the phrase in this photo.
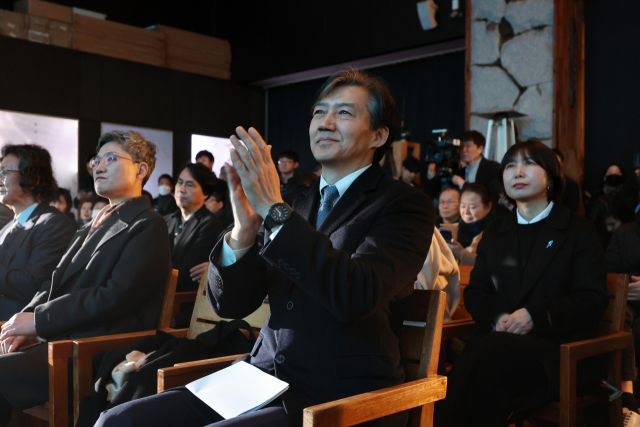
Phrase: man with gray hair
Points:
(109, 281)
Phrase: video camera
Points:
(444, 153)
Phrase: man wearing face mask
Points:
(165, 203)
(98, 205)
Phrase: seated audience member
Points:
(165, 203)
(99, 203)
(206, 158)
(571, 195)
(109, 281)
(193, 230)
(337, 266)
(539, 281)
(440, 272)
(616, 183)
(6, 215)
(623, 257)
(32, 244)
(63, 202)
(291, 183)
(430, 180)
(477, 168)
(85, 186)
(410, 169)
(217, 206)
(85, 209)
(608, 213)
(475, 213)
(448, 206)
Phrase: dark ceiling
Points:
(271, 38)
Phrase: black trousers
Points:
(179, 407)
(490, 376)
(24, 379)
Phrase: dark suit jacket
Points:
(113, 283)
(338, 294)
(571, 194)
(489, 175)
(194, 243)
(563, 287)
(623, 253)
(29, 255)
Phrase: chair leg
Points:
(614, 363)
(568, 370)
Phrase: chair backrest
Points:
(421, 334)
(167, 302)
(613, 320)
(204, 318)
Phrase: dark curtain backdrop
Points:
(612, 87)
(432, 90)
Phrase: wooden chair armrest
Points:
(181, 297)
(376, 404)
(184, 373)
(457, 328)
(601, 345)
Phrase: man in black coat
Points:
(32, 243)
(109, 281)
(338, 266)
(193, 230)
(477, 169)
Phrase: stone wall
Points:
(512, 64)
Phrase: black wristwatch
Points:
(278, 214)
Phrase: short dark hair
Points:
(624, 173)
(449, 188)
(36, 172)
(169, 177)
(205, 178)
(217, 194)
(98, 199)
(411, 164)
(475, 137)
(136, 145)
(290, 154)
(205, 153)
(478, 188)
(381, 106)
(541, 155)
(66, 195)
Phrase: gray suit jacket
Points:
(29, 255)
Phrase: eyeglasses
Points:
(106, 159)
(4, 172)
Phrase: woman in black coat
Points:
(539, 281)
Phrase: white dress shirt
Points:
(230, 256)
(542, 215)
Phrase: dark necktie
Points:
(330, 195)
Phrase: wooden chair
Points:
(420, 343)
(180, 298)
(56, 411)
(202, 320)
(611, 341)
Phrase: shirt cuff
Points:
(230, 256)
(275, 233)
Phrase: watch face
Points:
(280, 213)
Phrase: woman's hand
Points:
(518, 322)
(456, 248)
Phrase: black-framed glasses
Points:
(106, 159)
(4, 171)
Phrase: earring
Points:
(547, 188)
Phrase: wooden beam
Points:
(568, 84)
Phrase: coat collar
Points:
(549, 241)
(81, 252)
(348, 203)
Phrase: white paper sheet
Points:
(238, 389)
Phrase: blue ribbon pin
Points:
(549, 244)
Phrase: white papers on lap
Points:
(237, 390)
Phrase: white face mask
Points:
(94, 213)
(164, 190)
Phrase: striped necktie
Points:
(330, 193)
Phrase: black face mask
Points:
(613, 180)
